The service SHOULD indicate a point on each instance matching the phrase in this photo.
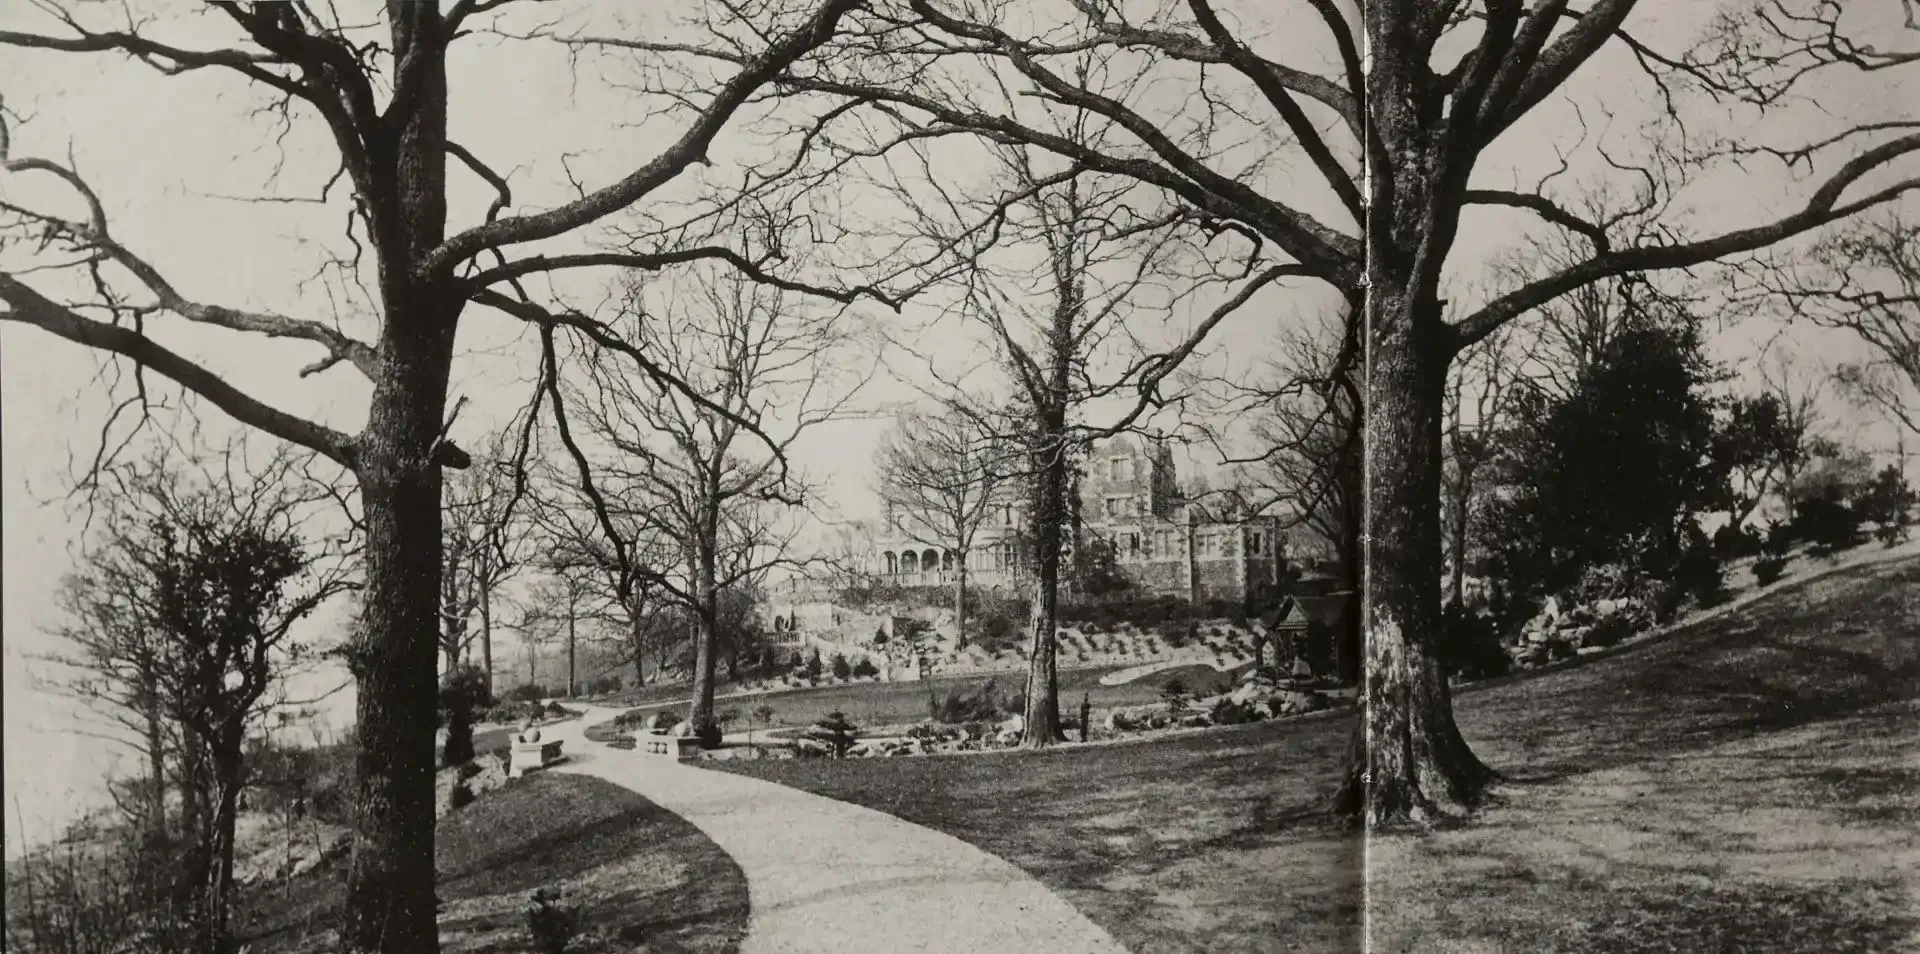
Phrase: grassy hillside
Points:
(1713, 790)
(644, 879)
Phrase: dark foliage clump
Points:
(1470, 646)
(836, 732)
(551, 925)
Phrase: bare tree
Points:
(1060, 313)
(941, 475)
(1307, 422)
(1481, 391)
(551, 612)
(1865, 279)
(485, 543)
(193, 589)
(684, 469)
(377, 89)
(1367, 190)
(621, 583)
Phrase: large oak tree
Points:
(1360, 170)
(377, 84)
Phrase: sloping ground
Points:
(1750, 783)
(643, 878)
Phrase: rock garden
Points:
(989, 719)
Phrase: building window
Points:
(1253, 543)
(1163, 543)
(1120, 468)
(1007, 513)
(1140, 506)
(1133, 546)
(1114, 505)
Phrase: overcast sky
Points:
(160, 150)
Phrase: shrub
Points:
(462, 691)
(764, 713)
(1174, 693)
(836, 732)
(1826, 524)
(1470, 645)
(1888, 501)
(707, 732)
(1777, 541)
(551, 925)
(813, 665)
(527, 692)
(508, 713)
(1229, 712)
(1697, 574)
(840, 668)
(605, 685)
(1609, 630)
(865, 669)
(1732, 543)
(1768, 570)
(958, 706)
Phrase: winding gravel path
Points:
(828, 877)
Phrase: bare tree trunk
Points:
(705, 594)
(571, 624)
(156, 765)
(390, 898)
(486, 637)
(1463, 496)
(1412, 761)
(638, 634)
(1049, 512)
(960, 596)
(219, 874)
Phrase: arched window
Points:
(909, 562)
(946, 560)
(893, 564)
(929, 561)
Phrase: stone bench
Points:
(675, 747)
(532, 755)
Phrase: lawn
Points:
(643, 878)
(898, 703)
(1748, 783)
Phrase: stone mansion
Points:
(1128, 499)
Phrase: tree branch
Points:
(689, 149)
(30, 307)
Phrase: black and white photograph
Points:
(960, 476)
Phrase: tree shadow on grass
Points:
(547, 831)
(1703, 914)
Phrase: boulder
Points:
(1294, 700)
(1016, 724)
(1250, 693)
